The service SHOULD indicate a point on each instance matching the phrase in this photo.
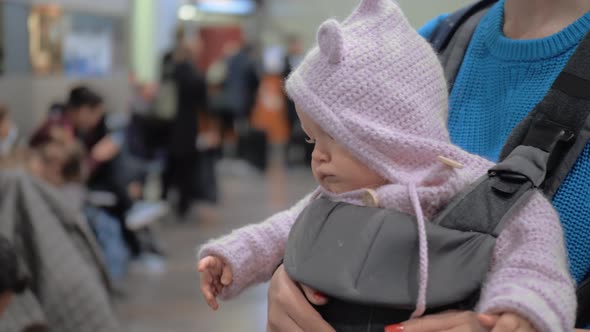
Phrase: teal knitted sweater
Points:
(500, 81)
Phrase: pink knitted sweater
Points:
(378, 89)
(528, 274)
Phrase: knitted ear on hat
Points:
(331, 41)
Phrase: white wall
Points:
(420, 11)
(29, 96)
(303, 17)
(167, 21)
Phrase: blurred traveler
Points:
(297, 136)
(242, 80)
(191, 92)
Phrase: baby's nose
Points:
(320, 156)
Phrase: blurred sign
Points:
(80, 44)
(88, 46)
(87, 54)
(45, 38)
(273, 60)
(231, 7)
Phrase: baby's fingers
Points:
(210, 263)
(211, 301)
(487, 320)
(218, 286)
(209, 290)
(226, 276)
(507, 323)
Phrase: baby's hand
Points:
(506, 322)
(215, 275)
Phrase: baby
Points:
(373, 100)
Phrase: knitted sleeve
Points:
(529, 273)
(254, 251)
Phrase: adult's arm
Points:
(529, 275)
(289, 310)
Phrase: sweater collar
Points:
(491, 29)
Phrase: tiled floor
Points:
(171, 301)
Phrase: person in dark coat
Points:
(241, 83)
(296, 135)
(182, 164)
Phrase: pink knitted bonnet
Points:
(377, 87)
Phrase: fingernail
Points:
(394, 328)
(319, 295)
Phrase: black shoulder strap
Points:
(557, 130)
(452, 36)
(559, 124)
(563, 133)
(441, 36)
(483, 205)
(583, 294)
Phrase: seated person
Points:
(82, 119)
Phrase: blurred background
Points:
(156, 125)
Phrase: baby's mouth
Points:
(328, 178)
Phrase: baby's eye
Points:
(309, 140)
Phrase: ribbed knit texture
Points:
(359, 85)
(522, 271)
(500, 82)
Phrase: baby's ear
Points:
(331, 41)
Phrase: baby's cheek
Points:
(314, 173)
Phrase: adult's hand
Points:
(455, 321)
(105, 150)
(289, 310)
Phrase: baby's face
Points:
(333, 167)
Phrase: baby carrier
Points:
(339, 249)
